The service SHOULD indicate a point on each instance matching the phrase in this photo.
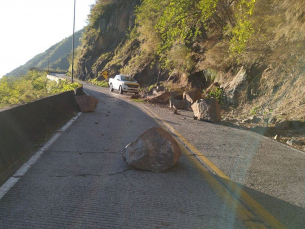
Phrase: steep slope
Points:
(57, 56)
(195, 43)
(109, 23)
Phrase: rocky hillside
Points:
(58, 56)
(252, 49)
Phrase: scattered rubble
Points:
(136, 96)
(294, 142)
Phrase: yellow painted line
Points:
(241, 212)
(256, 209)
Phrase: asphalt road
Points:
(81, 180)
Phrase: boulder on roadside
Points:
(86, 103)
(155, 150)
(179, 104)
(160, 97)
(207, 110)
(192, 96)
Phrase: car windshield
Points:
(127, 78)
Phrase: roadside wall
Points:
(23, 126)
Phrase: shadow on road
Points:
(290, 215)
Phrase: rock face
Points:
(234, 89)
(86, 103)
(112, 24)
(207, 109)
(155, 150)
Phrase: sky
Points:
(30, 27)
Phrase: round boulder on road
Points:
(155, 150)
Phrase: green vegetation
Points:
(138, 100)
(32, 86)
(96, 82)
(254, 110)
(216, 93)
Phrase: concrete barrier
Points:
(23, 126)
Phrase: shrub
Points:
(216, 93)
(103, 83)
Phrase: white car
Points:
(124, 84)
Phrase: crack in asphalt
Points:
(120, 172)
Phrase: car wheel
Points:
(111, 88)
(121, 90)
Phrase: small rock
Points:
(255, 119)
(246, 121)
(96, 122)
(272, 120)
(276, 137)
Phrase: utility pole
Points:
(48, 59)
(73, 43)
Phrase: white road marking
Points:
(21, 172)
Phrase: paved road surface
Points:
(81, 181)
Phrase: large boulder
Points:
(86, 103)
(207, 109)
(155, 150)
